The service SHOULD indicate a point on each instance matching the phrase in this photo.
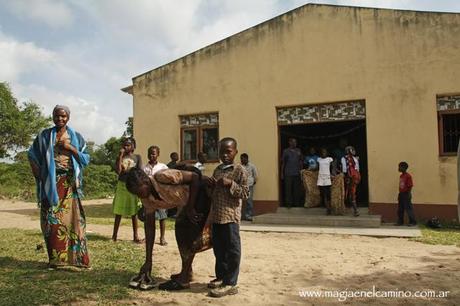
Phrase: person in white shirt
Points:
(252, 179)
(202, 157)
(324, 179)
(150, 169)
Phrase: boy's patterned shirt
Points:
(226, 202)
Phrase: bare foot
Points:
(138, 241)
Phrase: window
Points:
(189, 144)
(448, 124)
(199, 133)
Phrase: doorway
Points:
(333, 136)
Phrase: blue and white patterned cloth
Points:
(41, 153)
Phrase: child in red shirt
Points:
(405, 196)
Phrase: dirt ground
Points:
(277, 268)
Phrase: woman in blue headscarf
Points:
(57, 158)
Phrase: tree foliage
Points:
(129, 132)
(99, 181)
(107, 153)
(17, 181)
(18, 124)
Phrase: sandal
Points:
(173, 285)
(163, 242)
(147, 283)
(135, 281)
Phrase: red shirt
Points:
(405, 182)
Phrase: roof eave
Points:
(128, 89)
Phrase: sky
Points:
(80, 53)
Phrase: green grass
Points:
(449, 234)
(24, 279)
(98, 214)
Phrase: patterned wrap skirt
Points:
(64, 225)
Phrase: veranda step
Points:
(369, 221)
(315, 211)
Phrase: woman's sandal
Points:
(147, 283)
(173, 285)
(135, 281)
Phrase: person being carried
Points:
(405, 195)
(166, 189)
(150, 169)
(324, 179)
(229, 186)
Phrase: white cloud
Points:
(17, 57)
(86, 116)
(84, 65)
(53, 13)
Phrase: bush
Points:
(99, 181)
(17, 181)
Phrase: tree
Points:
(18, 124)
(107, 153)
(129, 128)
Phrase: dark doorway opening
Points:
(334, 136)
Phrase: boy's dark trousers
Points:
(227, 250)
(405, 204)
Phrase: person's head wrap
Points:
(349, 149)
(63, 107)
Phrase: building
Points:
(385, 81)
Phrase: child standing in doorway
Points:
(124, 202)
(324, 179)
(150, 169)
(405, 195)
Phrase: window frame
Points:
(440, 114)
(199, 144)
(182, 152)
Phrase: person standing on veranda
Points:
(291, 165)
